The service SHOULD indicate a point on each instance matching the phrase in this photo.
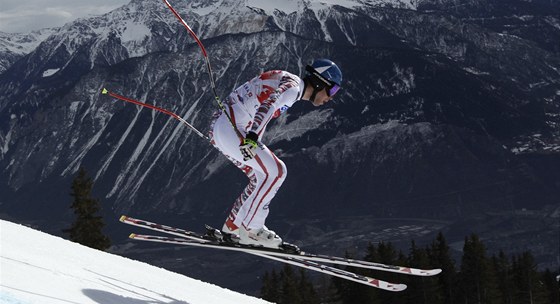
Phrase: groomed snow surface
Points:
(38, 268)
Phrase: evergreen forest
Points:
(478, 278)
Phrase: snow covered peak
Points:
(136, 21)
(23, 43)
(15, 45)
(144, 26)
(270, 7)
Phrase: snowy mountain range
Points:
(448, 113)
(13, 46)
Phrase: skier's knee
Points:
(282, 170)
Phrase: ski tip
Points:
(398, 287)
(104, 91)
(132, 235)
(435, 271)
(428, 272)
(123, 218)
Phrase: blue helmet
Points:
(324, 74)
(328, 69)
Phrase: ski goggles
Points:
(332, 90)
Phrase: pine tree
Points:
(422, 290)
(526, 280)
(504, 277)
(326, 290)
(386, 253)
(477, 278)
(351, 292)
(288, 287)
(306, 289)
(87, 228)
(270, 290)
(290, 293)
(440, 257)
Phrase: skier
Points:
(251, 107)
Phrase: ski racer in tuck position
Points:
(251, 107)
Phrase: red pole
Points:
(149, 106)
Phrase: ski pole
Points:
(208, 66)
(149, 106)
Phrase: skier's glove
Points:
(249, 146)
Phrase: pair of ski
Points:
(290, 255)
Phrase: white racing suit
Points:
(251, 107)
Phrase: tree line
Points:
(480, 278)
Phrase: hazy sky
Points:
(17, 16)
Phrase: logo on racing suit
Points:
(280, 111)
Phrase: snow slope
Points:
(39, 268)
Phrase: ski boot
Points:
(259, 237)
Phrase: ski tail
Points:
(162, 228)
